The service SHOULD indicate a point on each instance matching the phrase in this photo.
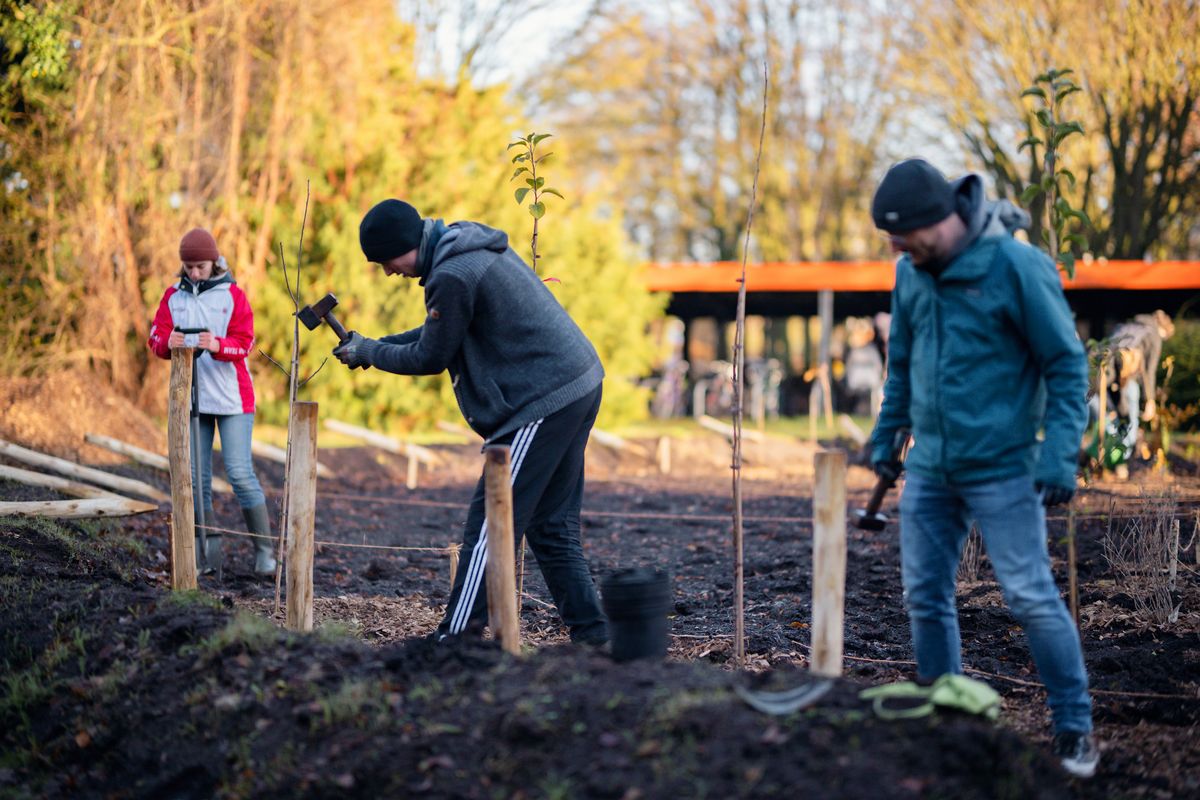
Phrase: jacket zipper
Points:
(937, 366)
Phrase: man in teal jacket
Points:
(982, 357)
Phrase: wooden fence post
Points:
(179, 444)
(410, 477)
(1102, 401)
(301, 514)
(829, 562)
(454, 548)
(501, 558)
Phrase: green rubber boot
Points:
(259, 523)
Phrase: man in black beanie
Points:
(982, 356)
(524, 376)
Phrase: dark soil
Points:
(115, 688)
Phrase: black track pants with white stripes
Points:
(547, 487)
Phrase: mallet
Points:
(322, 311)
(870, 518)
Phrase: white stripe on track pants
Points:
(547, 459)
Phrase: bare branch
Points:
(310, 377)
(282, 368)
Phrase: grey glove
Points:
(1054, 495)
(356, 351)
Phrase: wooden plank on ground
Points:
(73, 488)
(716, 426)
(614, 442)
(86, 508)
(279, 455)
(422, 454)
(96, 476)
(144, 457)
(457, 430)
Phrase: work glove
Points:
(888, 470)
(1054, 495)
(356, 351)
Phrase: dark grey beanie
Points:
(913, 194)
(392, 228)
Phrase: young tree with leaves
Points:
(527, 162)
(1052, 88)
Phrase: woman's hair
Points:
(220, 267)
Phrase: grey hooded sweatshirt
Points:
(513, 353)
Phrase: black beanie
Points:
(392, 228)
(913, 194)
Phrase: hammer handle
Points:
(337, 327)
(881, 489)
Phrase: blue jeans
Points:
(934, 523)
(236, 430)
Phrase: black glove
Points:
(888, 470)
(356, 351)
(1054, 495)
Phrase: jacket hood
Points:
(186, 284)
(465, 237)
(985, 217)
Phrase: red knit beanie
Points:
(198, 245)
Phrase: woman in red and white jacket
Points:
(207, 298)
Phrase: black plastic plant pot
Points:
(637, 602)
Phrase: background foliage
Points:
(128, 122)
(125, 122)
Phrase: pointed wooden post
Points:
(301, 514)
(501, 558)
(179, 443)
(664, 455)
(410, 478)
(829, 562)
(454, 548)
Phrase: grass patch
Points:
(246, 632)
(336, 631)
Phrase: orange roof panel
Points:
(879, 276)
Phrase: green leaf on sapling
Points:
(520, 194)
(554, 192)
(537, 210)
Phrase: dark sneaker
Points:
(1077, 752)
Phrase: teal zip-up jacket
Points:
(984, 357)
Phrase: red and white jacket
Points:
(219, 306)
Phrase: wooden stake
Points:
(500, 570)
(111, 506)
(664, 455)
(410, 478)
(97, 476)
(301, 514)
(1103, 399)
(1072, 567)
(179, 452)
(454, 549)
(829, 562)
(825, 311)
